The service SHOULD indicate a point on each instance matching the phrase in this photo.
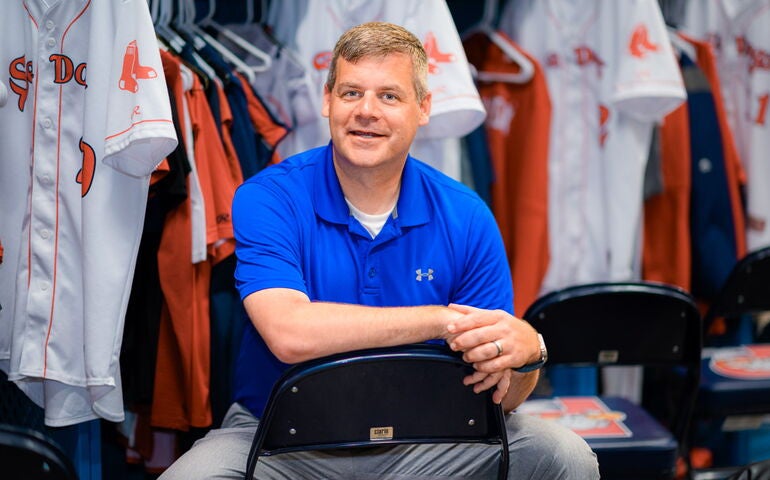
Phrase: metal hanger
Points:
(208, 21)
(186, 22)
(485, 26)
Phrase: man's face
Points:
(373, 111)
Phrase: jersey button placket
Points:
(44, 194)
(372, 273)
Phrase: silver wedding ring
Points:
(499, 347)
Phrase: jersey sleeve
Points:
(456, 108)
(486, 279)
(648, 84)
(139, 128)
(267, 240)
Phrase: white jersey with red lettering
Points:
(611, 73)
(312, 27)
(86, 122)
(739, 34)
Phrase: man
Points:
(358, 245)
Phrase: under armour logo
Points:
(421, 275)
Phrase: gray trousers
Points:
(539, 449)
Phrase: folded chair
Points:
(646, 324)
(29, 455)
(409, 394)
(735, 376)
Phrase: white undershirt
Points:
(372, 223)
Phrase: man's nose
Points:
(367, 106)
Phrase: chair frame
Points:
(739, 294)
(407, 409)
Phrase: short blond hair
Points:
(380, 39)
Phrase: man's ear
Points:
(425, 107)
(327, 98)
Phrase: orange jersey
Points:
(666, 251)
(517, 126)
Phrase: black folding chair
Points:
(603, 324)
(402, 395)
(725, 388)
(735, 376)
(28, 454)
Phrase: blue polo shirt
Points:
(294, 230)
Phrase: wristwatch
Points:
(538, 364)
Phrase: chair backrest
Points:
(408, 394)
(642, 323)
(28, 454)
(746, 290)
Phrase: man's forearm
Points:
(296, 329)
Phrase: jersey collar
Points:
(413, 207)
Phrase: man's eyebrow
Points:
(384, 88)
(347, 85)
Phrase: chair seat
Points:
(735, 380)
(619, 431)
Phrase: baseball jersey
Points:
(87, 121)
(741, 40)
(311, 28)
(611, 73)
(517, 127)
(294, 230)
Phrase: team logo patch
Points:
(640, 44)
(500, 113)
(749, 362)
(322, 60)
(760, 59)
(21, 77)
(604, 118)
(133, 70)
(585, 55)
(86, 174)
(435, 55)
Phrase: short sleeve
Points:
(139, 127)
(267, 240)
(648, 82)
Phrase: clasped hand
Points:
(494, 342)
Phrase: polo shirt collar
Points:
(413, 207)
